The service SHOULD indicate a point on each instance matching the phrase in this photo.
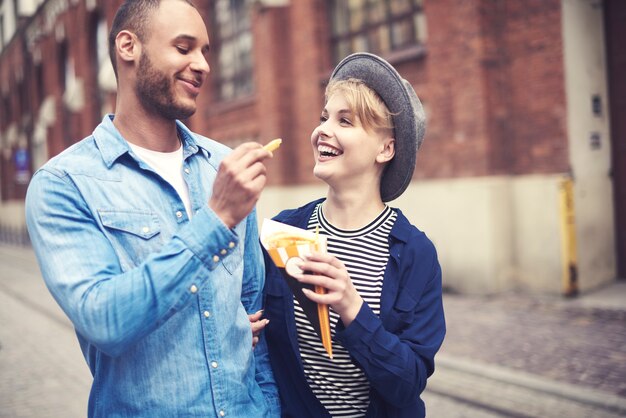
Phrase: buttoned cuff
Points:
(209, 238)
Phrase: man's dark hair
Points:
(133, 15)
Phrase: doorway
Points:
(615, 26)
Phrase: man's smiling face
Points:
(173, 64)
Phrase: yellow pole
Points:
(568, 238)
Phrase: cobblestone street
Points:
(554, 338)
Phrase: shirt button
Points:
(207, 314)
(223, 252)
(216, 259)
(222, 413)
(193, 288)
(214, 364)
(179, 214)
(231, 245)
(187, 170)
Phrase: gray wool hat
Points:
(409, 119)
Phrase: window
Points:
(62, 62)
(99, 60)
(1, 31)
(23, 98)
(232, 49)
(101, 40)
(378, 26)
(40, 89)
(8, 114)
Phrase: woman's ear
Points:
(127, 46)
(388, 150)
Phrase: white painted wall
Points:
(492, 233)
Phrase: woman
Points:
(381, 273)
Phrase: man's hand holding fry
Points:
(240, 180)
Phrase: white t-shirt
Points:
(168, 165)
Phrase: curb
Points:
(583, 395)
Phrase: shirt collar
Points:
(190, 144)
(112, 144)
(400, 231)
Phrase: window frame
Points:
(396, 50)
(239, 78)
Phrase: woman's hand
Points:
(327, 271)
(257, 324)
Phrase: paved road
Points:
(42, 372)
(492, 365)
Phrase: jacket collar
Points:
(112, 144)
(401, 228)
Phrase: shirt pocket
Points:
(404, 309)
(134, 234)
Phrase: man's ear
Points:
(388, 150)
(127, 46)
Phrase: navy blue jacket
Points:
(396, 350)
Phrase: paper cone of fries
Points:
(286, 245)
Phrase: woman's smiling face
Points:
(344, 151)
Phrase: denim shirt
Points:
(159, 301)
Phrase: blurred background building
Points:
(521, 182)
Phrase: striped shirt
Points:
(338, 383)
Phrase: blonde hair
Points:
(364, 102)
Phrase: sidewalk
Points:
(42, 371)
(578, 341)
(504, 356)
(571, 351)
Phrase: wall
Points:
(492, 234)
(504, 130)
(585, 76)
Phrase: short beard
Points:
(154, 89)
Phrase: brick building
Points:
(519, 98)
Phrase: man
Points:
(146, 236)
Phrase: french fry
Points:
(273, 144)
(322, 309)
(322, 312)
